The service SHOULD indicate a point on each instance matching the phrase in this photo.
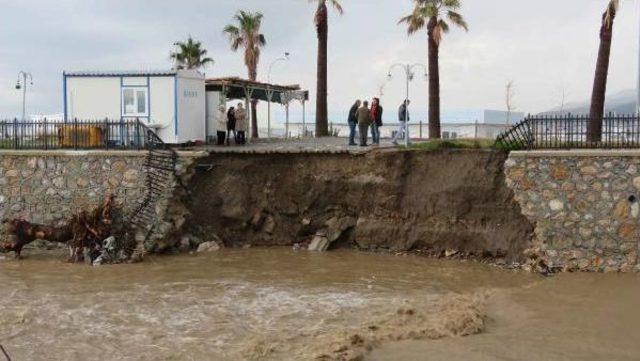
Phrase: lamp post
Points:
(270, 91)
(409, 71)
(27, 79)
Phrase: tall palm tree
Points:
(322, 27)
(594, 129)
(246, 34)
(435, 15)
(190, 55)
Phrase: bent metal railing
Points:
(161, 175)
(570, 132)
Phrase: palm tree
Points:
(246, 34)
(190, 55)
(322, 27)
(594, 129)
(434, 14)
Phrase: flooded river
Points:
(276, 304)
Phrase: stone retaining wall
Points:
(584, 205)
(50, 186)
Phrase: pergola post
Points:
(248, 92)
(304, 118)
(270, 93)
(286, 126)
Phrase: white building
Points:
(171, 102)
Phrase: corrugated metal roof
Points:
(122, 73)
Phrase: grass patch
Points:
(433, 145)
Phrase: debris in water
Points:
(93, 237)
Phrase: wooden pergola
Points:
(238, 88)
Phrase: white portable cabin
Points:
(170, 102)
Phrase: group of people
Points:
(364, 118)
(233, 121)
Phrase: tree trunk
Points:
(594, 128)
(434, 82)
(253, 75)
(322, 121)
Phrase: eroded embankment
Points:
(397, 200)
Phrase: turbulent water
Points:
(276, 304)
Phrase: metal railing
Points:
(417, 130)
(160, 175)
(570, 132)
(72, 134)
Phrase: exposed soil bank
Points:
(396, 200)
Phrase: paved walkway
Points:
(297, 145)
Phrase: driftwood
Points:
(4, 352)
(85, 231)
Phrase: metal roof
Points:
(235, 88)
(239, 82)
(122, 73)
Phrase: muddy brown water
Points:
(276, 304)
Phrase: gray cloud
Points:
(543, 45)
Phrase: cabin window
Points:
(135, 102)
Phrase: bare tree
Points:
(563, 98)
(509, 96)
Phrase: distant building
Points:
(486, 123)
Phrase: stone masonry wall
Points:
(584, 205)
(48, 187)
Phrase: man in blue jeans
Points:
(403, 120)
(353, 122)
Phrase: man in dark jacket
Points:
(376, 120)
(353, 122)
(364, 121)
(403, 119)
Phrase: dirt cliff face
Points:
(397, 200)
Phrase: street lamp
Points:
(409, 71)
(27, 79)
(282, 58)
(270, 91)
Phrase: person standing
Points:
(241, 123)
(364, 121)
(353, 122)
(231, 125)
(403, 118)
(376, 120)
(221, 121)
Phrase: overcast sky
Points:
(542, 45)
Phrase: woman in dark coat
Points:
(231, 125)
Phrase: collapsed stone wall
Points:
(388, 199)
(584, 205)
(49, 187)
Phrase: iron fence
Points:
(73, 134)
(570, 132)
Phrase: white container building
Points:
(173, 103)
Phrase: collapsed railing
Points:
(570, 132)
(160, 171)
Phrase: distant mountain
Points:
(623, 102)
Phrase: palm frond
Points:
(415, 21)
(336, 5)
(457, 19)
